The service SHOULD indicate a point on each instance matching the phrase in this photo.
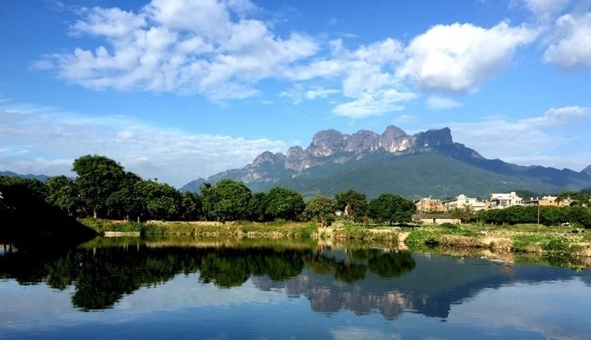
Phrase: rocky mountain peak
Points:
(295, 158)
(333, 147)
(363, 140)
(394, 139)
(433, 138)
(268, 158)
(325, 143)
(587, 170)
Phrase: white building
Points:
(501, 201)
(462, 201)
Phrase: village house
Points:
(544, 201)
(462, 202)
(429, 205)
(502, 201)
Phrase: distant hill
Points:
(42, 178)
(424, 164)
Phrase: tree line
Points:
(103, 189)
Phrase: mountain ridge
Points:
(332, 154)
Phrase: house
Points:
(462, 202)
(502, 201)
(544, 201)
(429, 205)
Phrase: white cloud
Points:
(39, 140)
(374, 103)
(459, 57)
(545, 9)
(441, 103)
(571, 46)
(215, 51)
(366, 76)
(532, 141)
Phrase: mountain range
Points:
(425, 164)
(41, 178)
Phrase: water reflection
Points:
(103, 274)
(332, 280)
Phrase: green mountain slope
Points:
(413, 176)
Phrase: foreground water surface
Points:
(280, 289)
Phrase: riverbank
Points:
(527, 239)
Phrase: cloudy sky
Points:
(181, 89)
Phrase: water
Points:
(282, 290)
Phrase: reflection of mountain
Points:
(361, 280)
(430, 289)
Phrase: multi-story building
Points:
(501, 201)
(462, 201)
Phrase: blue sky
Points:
(181, 89)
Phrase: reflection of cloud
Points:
(538, 310)
(44, 308)
(354, 333)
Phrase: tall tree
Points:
(322, 209)
(98, 178)
(352, 203)
(391, 208)
(161, 200)
(227, 200)
(63, 193)
(284, 203)
(191, 206)
(126, 202)
(257, 207)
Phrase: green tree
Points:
(191, 206)
(63, 193)
(161, 200)
(353, 204)
(284, 203)
(322, 209)
(391, 208)
(257, 207)
(98, 178)
(574, 199)
(227, 200)
(126, 202)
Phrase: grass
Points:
(524, 238)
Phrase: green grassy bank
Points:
(529, 239)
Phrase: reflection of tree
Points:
(391, 264)
(319, 264)
(224, 271)
(350, 272)
(232, 267)
(102, 275)
(357, 261)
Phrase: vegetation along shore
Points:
(105, 199)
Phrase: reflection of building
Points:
(429, 205)
(462, 201)
(544, 201)
(501, 201)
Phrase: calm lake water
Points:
(181, 288)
